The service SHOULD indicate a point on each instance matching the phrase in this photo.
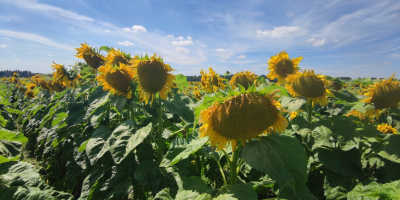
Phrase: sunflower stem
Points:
(160, 149)
(366, 120)
(221, 170)
(309, 113)
(233, 166)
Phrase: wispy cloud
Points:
(182, 50)
(220, 50)
(9, 17)
(3, 46)
(48, 9)
(126, 43)
(180, 41)
(316, 42)
(242, 56)
(34, 38)
(282, 32)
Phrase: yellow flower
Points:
(91, 57)
(197, 94)
(43, 84)
(116, 56)
(31, 86)
(60, 75)
(30, 94)
(15, 75)
(117, 80)
(241, 117)
(356, 114)
(280, 66)
(216, 80)
(153, 77)
(383, 94)
(293, 115)
(336, 85)
(245, 79)
(308, 85)
(57, 86)
(205, 81)
(386, 128)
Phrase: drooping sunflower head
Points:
(43, 84)
(336, 84)
(31, 86)
(153, 76)
(216, 80)
(91, 56)
(30, 94)
(15, 80)
(58, 86)
(116, 56)
(242, 116)
(117, 79)
(356, 113)
(205, 81)
(245, 79)
(386, 128)
(383, 94)
(51, 87)
(15, 75)
(309, 85)
(280, 66)
(60, 75)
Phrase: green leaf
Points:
(282, 158)
(319, 137)
(272, 87)
(12, 136)
(125, 139)
(367, 191)
(337, 186)
(163, 195)
(180, 105)
(180, 79)
(105, 48)
(14, 192)
(15, 111)
(118, 102)
(345, 131)
(96, 100)
(60, 117)
(181, 149)
(347, 163)
(293, 104)
(388, 148)
(97, 146)
(345, 96)
(192, 187)
(238, 191)
(76, 113)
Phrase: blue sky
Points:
(358, 38)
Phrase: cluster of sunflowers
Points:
(118, 70)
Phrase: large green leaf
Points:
(293, 104)
(388, 148)
(181, 148)
(180, 106)
(15, 111)
(192, 187)
(125, 139)
(97, 146)
(282, 158)
(337, 186)
(320, 136)
(98, 98)
(12, 136)
(345, 131)
(14, 192)
(347, 163)
(238, 192)
(76, 113)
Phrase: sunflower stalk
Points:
(233, 166)
(366, 120)
(160, 150)
(221, 170)
(309, 113)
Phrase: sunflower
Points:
(92, 57)
(293, 115)
(60, 75)
(57, 86)
(116, 56)
(356, 114)
(30, 94)
(245, 79)
(51, 87)
(205, 81)
(242, 116)
(386, 128)
(15, 75)
(336, 84)
(308, 85)
(117, 79)
(280, 66)
(216, 80)
(384, 94)
(197, 94)
(153, 77)
(31, 86)
(43, 84)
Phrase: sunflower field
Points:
(124, 127)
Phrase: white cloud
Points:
(9, 17)
(289, 14)
(47, 9)
(6, 38)
(126, 29)
(203, 45)
(242, 56)
(3, 46)
(126, 43)
(335, 40)
(220, 50)
(395, 55)
(35, 38)
(316, 42)
(50, 55)
(180, 41)
(71, 27)
(107, 30)
(182, 50)
(283, 32)
(138, 29)
(387, 63)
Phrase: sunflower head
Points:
(43, 84)
(383, 94)
(51, 87)
(116, 56)
(21, 89)
(241, 116)
(91, 56)
(117, 79)
(58, 86)
(197, 94)
(216, 80)
(280, 66)
(205, 81)
(308, 85)
(293, 115)
(245, 79)
(15, 75)
(31, 86)
(386, 128)
(356, 113)
(15, 80)
(30, 94)
(153, 76)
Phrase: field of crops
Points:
(124, 127)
